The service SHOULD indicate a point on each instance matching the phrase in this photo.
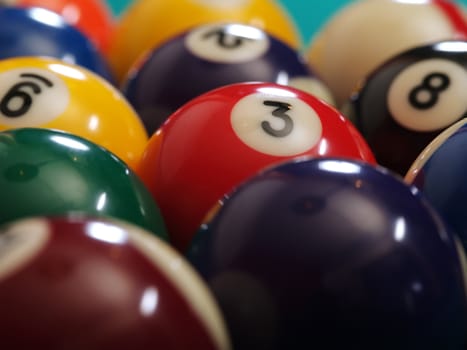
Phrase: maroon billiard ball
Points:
(84, 283)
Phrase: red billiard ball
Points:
(226, 135)
(84, 283)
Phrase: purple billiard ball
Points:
(439, 172)
(208, 57)
(335, 253)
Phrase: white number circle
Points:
(31, 97)
(428, 95)
(20, 243)
(276, 123)
(227, 43)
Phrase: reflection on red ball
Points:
(226, 135)
(82, 283)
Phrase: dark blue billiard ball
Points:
(208, 57)
(40, 32)
(336, 254)
(407, 101)
(439, 172)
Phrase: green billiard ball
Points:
(50, 172)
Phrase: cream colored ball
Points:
(364, 34)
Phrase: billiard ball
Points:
(407, 101)
(92, 17)
(135, 33)
(210, 56)
(226, 135)
(51, 172)
(40, 32)
(363, 34)
(77, 282)
(326, 251)
(48, 93)
(438, 173)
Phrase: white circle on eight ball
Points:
(275, 122)
(20, 242)
(227, 43)
(31, 97)
(428, 95)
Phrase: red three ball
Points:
(226, 135)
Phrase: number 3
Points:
(279, 112)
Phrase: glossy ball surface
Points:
(363, 34)
(93, 18)
(135, 33)
(40, 32)
(48, 93)
(224, 136)
(439, 173)
(407, 101)
(49, 172)
(90, 283)
(207, 57)
(336, 252)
